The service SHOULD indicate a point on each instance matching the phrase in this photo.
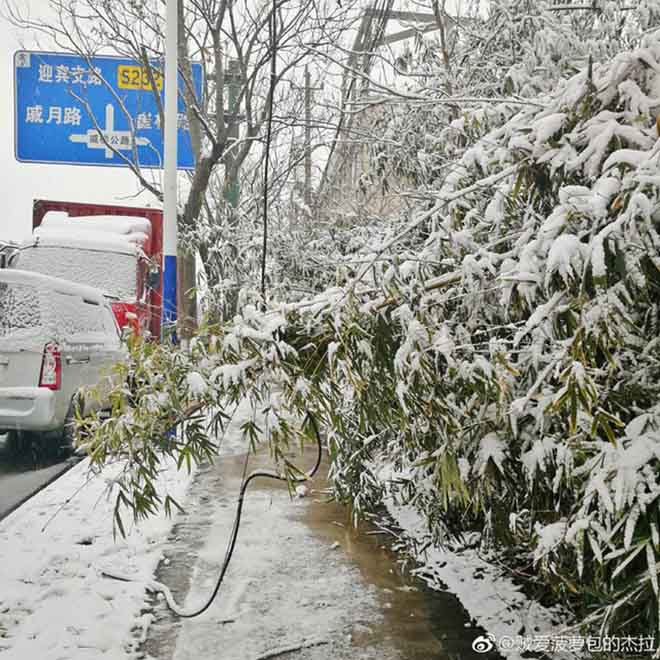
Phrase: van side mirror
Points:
(153, 277)
(8, 254)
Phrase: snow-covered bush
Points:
(525, 46)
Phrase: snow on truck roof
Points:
(114, 224)
(102, 241)
(16, 276)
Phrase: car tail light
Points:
(51, 367)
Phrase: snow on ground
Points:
(55, 603)
(284, 588)
(288, 585)
(301, 579)
(490, 597)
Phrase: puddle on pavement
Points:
(423, 624)
(420, 622)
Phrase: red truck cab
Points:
(127, 267)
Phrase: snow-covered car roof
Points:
(17, 276)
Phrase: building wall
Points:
(359, 184)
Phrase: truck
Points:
(117, 249)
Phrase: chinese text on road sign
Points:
(97, 111)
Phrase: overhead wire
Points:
(267, 146)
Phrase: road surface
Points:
(20, 478)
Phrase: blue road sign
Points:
(75, 111)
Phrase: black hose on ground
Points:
(237, 521)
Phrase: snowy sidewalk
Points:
(301, 585)
(301, 578)
(54, 602)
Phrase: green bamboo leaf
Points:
(653, 571)
(621, 567)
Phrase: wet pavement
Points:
(420, 622)
(303, 584)
(21, 478)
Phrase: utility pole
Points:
(308, 139)
(371, 36)
(170, 218)
(308, 135)
(233, 81)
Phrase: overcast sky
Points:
(22, 183)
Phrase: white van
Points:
(55, 338)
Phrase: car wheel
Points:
(68, 439)
(21, 444)
(15, 443)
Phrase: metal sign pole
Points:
(170, 174)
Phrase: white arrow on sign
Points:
(121, 140)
